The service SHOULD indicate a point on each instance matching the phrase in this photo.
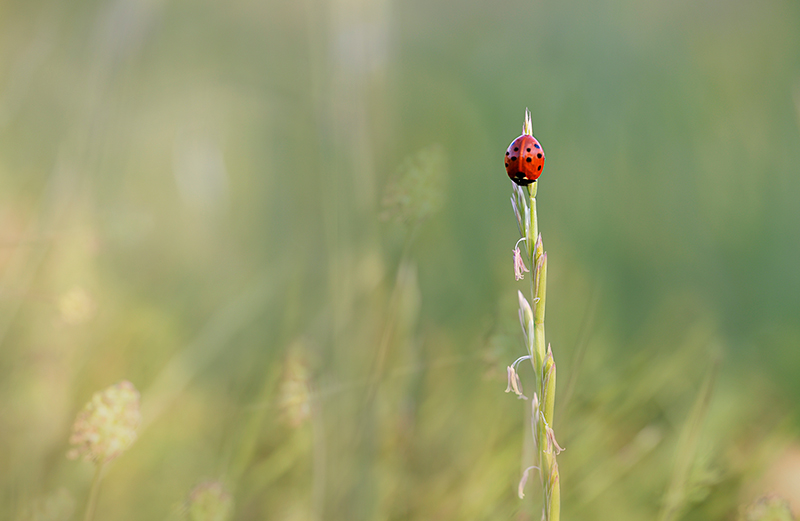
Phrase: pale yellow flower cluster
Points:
(209, 502)
(107, 425)
(76, 306)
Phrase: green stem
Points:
(533, 226)
(92, 502)
(532, 188)
(543, 367)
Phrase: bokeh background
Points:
(287, 223)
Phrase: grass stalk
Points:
(532, 316)
(93, 492)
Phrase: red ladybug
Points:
(524, 160)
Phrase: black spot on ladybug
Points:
(514, 158)
(529, 149)
(537, 146)
(506, 164)
(506, 153)
(528, 159)
(516, 149)
(540, 167)
(539, 155)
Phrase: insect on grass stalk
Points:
(524, 163)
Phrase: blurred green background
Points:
(288, 224)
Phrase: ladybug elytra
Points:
(524, 160)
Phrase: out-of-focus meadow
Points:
(288, 225)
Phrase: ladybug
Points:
(524, 160)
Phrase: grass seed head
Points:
(107, 425)
(209, 502)
(294, 399)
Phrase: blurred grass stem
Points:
(91, 504)
(680, 487)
